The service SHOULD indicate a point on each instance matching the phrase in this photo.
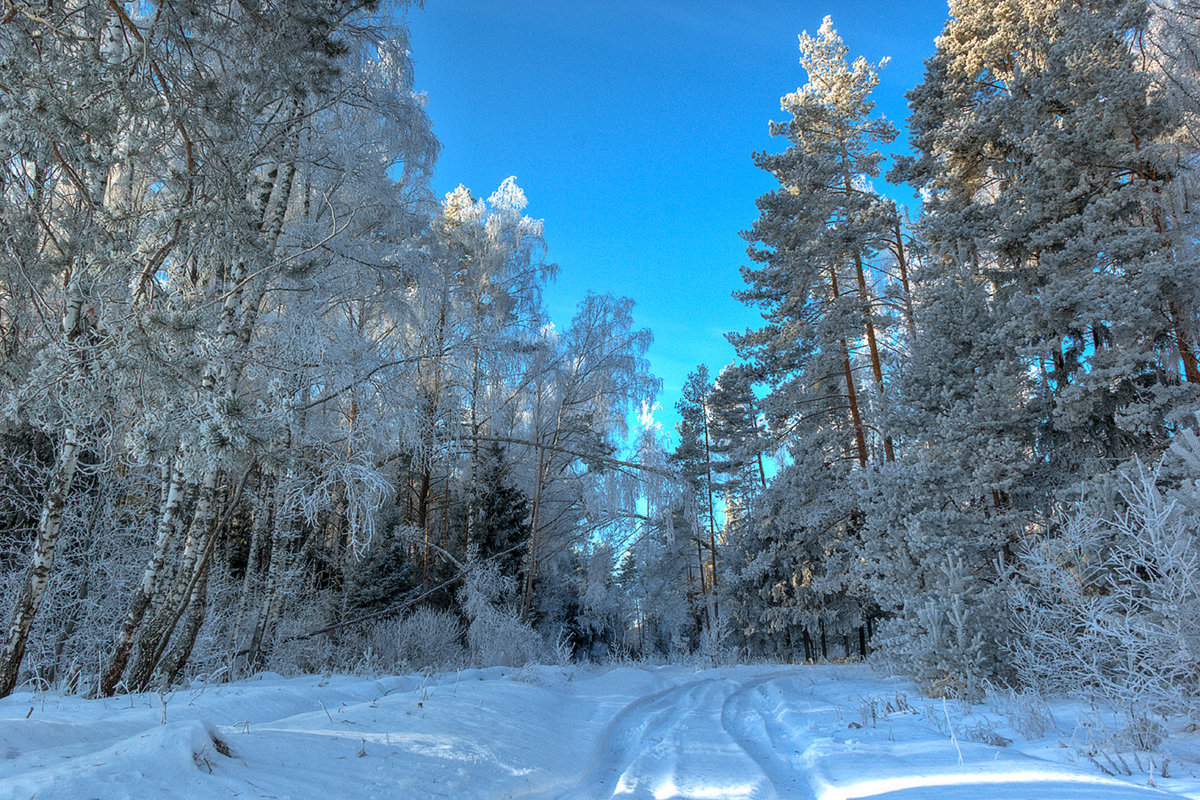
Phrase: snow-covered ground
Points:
(577, 733)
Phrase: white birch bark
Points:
(144, 593)
(174, 663)
(272, 599)
(258, 533)
(45, 548)
(239, 313)
(33, 590)
(156, 634)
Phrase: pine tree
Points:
(501, 515)
(1052, 337)
(819, 232)
(694, 459)
(381, 576)
(738, 443)
(819, 353)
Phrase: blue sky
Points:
(630, 125)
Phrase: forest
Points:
(267, 403)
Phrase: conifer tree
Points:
(818, 233)
(819, 354)
(381, 576)
(695, 462)
(1052, 312)
(502, 514)
(739, 443)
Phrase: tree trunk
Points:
(186, 640)
(897, 248)
(1187, 354)
(145, 591)
(860, 437)
(281, 538)
(533, 531)
(68, 630)
(691, 598)
(423, 523)
(258, 533)
(45, 548)
(876, 364)
(33, 590)
(156, 634)
(712, 518)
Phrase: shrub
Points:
(430, 639)
(1108, 607)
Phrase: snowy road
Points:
(546, 733)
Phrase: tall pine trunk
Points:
(876, 364)
(860, 437)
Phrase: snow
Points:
(549, 733)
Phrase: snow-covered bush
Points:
(1108, 606)
(495, 634)
(211, 658)
(949, 641)
(498, 638)
(1025, 711)
(597, 622)
(93, 569)
(429, 639)
(715, 648)
(291, 651)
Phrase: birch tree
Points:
(73, 234)
(284, 193)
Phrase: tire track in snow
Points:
(672, 744)
(755, 714)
